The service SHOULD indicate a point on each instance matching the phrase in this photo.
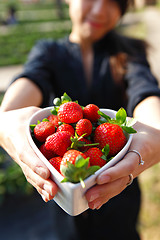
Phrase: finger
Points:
(30, 158)
(40, 183)
(100, 194)
(122, 169)
(44, 194)
(107, 190)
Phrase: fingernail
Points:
(103, 179)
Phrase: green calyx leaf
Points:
(59, 101)
(32, 126)
(65, 98)
(45, 120)
(105, 152)
(54, 111)
(76, 143)
(121, 116)
(120, 119)
(106, 117)
(81, 162)
(129, 130)
(78, 172)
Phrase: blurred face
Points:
(92, 19)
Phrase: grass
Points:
(150, 209)
(35, 21)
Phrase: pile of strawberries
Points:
(78, 140)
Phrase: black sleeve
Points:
(140, 83)
(38, 69)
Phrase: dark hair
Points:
(124, 4)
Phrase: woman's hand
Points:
(114, 180)
(13, 139)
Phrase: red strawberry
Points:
(75, 167)
(53, 119)
(56, 161)
(47, 153)
(91, 112)
(43, 130)
(86, 141)
(58, 142)
(95, 156)
(71, 156)
(70, 112)
(84, 126)
(111, 134)
(66, 127)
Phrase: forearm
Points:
(22, 93)
(148, 111)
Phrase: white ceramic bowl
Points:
(70, 196)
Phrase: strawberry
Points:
(84, 126)
(97, 157)
(53, 119)
(91, 112)
(70, 112)
(56, 161)
(86, 144)
(111, 134)
(75, 167)
(47, 153)
(42, 130)
(58, 142)
(71, 155)
(66, 127)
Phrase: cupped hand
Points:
(14, 140)
(111, 182)
(114, 180)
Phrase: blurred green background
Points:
(35, 20)
(43, 19)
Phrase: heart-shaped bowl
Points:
(70, 196)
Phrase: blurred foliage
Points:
(38, 19)
(1, 96)
(35, 21)
(12, 180)
(14, 50)
(150, 207)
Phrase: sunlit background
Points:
(36, 19)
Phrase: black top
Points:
(56, 67)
